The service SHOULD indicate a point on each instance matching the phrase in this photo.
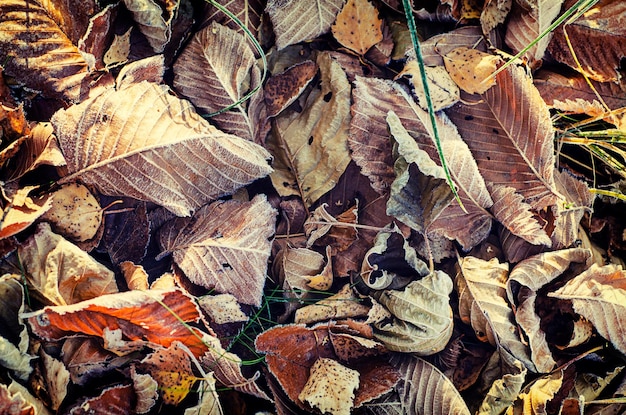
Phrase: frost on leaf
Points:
(75, 212)
(140, 141)
(224, 246)
(357, 26)
(330, 387)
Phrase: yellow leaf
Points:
(471, 69)
(330, 387)
(75, 212)
(357, 26)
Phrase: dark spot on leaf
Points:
(310, 140)
(226, 265)
(495, 131)
(328, 96)
(469, 117)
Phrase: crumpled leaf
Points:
(323, 229)
(471, 69)
(357, 26)
(423, 317)
(249, 12)
(494, 13)
(534, 399)
(216, 69)
(14, 403)
(141, 317)
(425, 390)
(146, 389)
(154, 22)
(525, 25)
(330, 387)
(224, 246)
(504, 391)
(22, 211)
(481, 286)
(60, 273)
(126, 231)
(56, 378)
(114, 400)
(130, 142)
(578, 200)
(601, 31)
(87, 361)
(36, 51)
(525, 280)
(13, 334)
(599, 295)
(208, 402)
(292, 20)
(283, 88)
(512, 145)
(339, 306)
(310, 146)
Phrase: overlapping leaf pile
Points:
(174, 205)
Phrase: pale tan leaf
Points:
(154, 22)
(503, 392)
(135, 276)
(512, 145)
(357, 26)
(481, 286)
(22, 211)
(330, 387)
(216, 69)
(494, 13)
(208, 402)
(590, 385)
(339, 306)
(516, 215)
(533, 401)
(471, 69)
(298, 20)
(75, 212)
(311, 146)
(424, 390)
(56, 378)
(222, 308)
(224, 246)
(21, 392)
(599, 295)
(443, 91)
(36, 51)
(578, 200)
(146, 389)
(14, 342)
(58, 272)
(249, 12)
(525, 25)
(423, 317)
(142, 142)
(13, 403)
(118, 52)
(435, 47)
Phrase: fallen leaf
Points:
(503, 392)
(323, 229)
(330, 387)
(357, 26)
(423, 317)
(145, 144)
(494, 13)
(339, 306)
(311, 147)
(423, 389)
(292, 23)
(144, 318)
(146, 390)
(224, 246)
(126, 230)
(222, 308)
(86, 360)
(154, 22)
(599, 295)
(208, 402)
(443, 91)
(22, 211)
(471, 69)
(114, 400)
(578, 200)
(118, 52)
(283, 88)
(216, 69)
(135, 276)
(56, 378)
(437, 46)
(249, 12)
(59, 273)
(534, 399)
(14, 354)
(14, 403)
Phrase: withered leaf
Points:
(59, 273)
(330, 387)
(443, 91)
(225, 246)
(13, 335)
(146, 389)
(357, 26)
(22, 211)
(75, 212)
(216, 69)
(56, 379)
(292, 19)
(471, 69)
(131, 142)
(282, 89)
(154, 22)
(339, 306)
(494, 13)
(208, 402)
(249, 12)
(87, 361)
(14, 403)
(311, 146)
(535, 397)
(114, 400)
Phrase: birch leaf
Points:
(311, 146)
(471, 69)
(292, 19)
(357, 26)
(216, 69)
(224, 246)
(599, 295)
(131, 142)
(330, 387)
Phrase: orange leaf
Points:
(357, 26)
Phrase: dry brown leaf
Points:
(87, 360)
(135, 276)
(339, 306)
(56, 378)
(598, 40)
(471, 69)
(357, 26)
(526, 24)
(216, 69)
(38, 52)
(503, 392)
(533, 400)
(425, 390)
(578, 200)
(146, 389)
(14, 339)
(22, 211)
(118, 52)
(131, 142)
(154, 22)
(222, 308)
(14, 403)
(114, 400)
(330, 387)
(494, 13)
(126, 230)
(283, 88)
(59, 273)
(249, 12)
(311, 146)
(599, 295)
(224, 246)
(208, 401)
(435, 47)
(323, 229)
(292, 19)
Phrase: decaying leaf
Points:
(599, 295)
(56, 379)
(282, 89)
(330, 387)
(444, 92)
(534, 399)
(14, 403)
(339, 306)
(208, 402)
(87, 361)
(292, 19)
(118, 52)
(154, 22)
(22, 211)
(311, 147)
(471, 69)
(494, 13)
(423, 317)
(222, 308)
(135, 276)
(224, 246)
(59, 273)
(503, 392)
(249, 12)
(357, 26)
(114, 400)
(142, 142)
(13, 336)
(325, 230)
(146, 390)
(143, 318)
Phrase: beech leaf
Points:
(249, 12)
(153, 22)
(599, 295)
(224, 246)
(216, 69)
(292, 19)
(424, 390)
(131, 142)
(357, 26)
(330, 387)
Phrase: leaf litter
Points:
(297, 252)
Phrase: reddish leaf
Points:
(115, 400)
